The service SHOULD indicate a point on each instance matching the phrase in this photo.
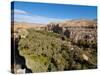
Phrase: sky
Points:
(44, 13)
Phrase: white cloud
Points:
(18, 11)
(23, 16)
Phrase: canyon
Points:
(75, 30)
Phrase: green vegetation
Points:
(87, 44)
(46, 51)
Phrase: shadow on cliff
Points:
(16, 58)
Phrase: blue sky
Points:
(45, 12)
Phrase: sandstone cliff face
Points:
(75, 29)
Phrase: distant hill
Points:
(68, 23)
(24, 25)
(76, 22)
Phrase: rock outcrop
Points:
(75, 29)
